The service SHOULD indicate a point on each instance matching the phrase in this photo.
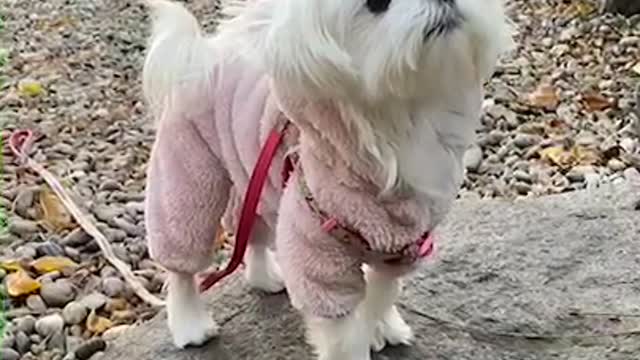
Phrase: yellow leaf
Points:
(20, 283)
(11, 265)
(98, 324)
(584, 156)
(30, 88)
(557, 155)
(54, 215)
(47, 264)
(545, 97)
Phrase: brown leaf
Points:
(48, 264)
(596, 102)
(54, 215)
(544, 97)
(97, 324)
(20, 283)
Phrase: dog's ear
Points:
(289, 40)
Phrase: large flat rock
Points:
(549, 278)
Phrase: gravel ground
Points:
(559, 117)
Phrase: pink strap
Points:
(249, 207)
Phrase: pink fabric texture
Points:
(200, 167)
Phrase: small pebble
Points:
(89, 348)
(35, 303)
(26, 324)
(49, 325)
(110, 185)
(525, 140)
(472, 158)
(23, 343)
(49, 248)
(22, 227)
(57, 294)
(74, 313)
(27, 252)
(57, 341)
(94, 301)
(76, 238)
(112, 286)
(9, 354)
(24, 201)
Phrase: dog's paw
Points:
(193, 333)
(263, 272)
(392, 330)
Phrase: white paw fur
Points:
(187, 317)
(340, 339)
(262, 271)
(391, 330)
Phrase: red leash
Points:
(249, 207)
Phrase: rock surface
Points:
(531, 279)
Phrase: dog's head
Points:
(368, 49)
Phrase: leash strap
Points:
(250, 205)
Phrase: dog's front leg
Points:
(346, 338)
(383, 289)
(189, 322)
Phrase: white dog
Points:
(383, 97)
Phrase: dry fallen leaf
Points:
(585, 156)
(545, 97)
(20, 283)
(97, 324)
(596, 102)
(565, 158)
(54, 215)
(556, 155)
(11, 265)
(221, 238)
(47, 264)
(30, 89)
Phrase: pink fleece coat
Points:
(200, 166)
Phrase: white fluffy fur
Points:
(404, 97)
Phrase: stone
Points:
(516, 268)
(9, 354)
(35, 303)
(49, 248)
(75, 238)
(57, 294)
(525, 140)
(57, 341)
(473, 158)
(112, 286)
(89, 348)
(26, 324)
(24, 201)
(49, 325)
(23, 343)
(74, 313)
(94, 301)
(22, 227)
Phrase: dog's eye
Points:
(378, 6)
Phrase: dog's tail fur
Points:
(180, 59)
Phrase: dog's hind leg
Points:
(187, 193)
(262, 271)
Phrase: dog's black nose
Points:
(378, 6)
